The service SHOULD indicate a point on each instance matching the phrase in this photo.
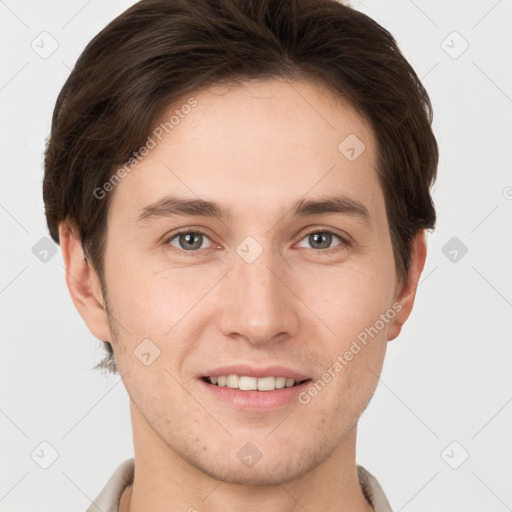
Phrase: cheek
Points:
(356, 305)
(349, 298)
(161, 306)
(351, 362)
(145, 299)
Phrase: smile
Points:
(246, 383)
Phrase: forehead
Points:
(259, 143)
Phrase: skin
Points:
(255, 147)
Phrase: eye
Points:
(320, 240)
(192, 241)
(188, 240)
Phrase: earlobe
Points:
(407, 293)
(83, 283)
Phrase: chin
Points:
(270, 468)
(262, 475)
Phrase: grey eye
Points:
(188, 240)
(320, 239)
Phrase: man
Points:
(241, 190)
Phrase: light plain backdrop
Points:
(437, 433)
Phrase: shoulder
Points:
(373, 490)
(109, 498)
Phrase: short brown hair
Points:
(157, 51)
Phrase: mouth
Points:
(248, 383)
(249, 388)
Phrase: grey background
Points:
(445, 391)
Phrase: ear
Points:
(83, 283)
(407, 293)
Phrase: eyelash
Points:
(345, 243)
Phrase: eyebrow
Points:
(173, 205)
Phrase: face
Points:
(270, 289)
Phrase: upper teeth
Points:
(252, 383)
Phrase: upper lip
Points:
(254, 371)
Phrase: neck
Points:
(165, 482)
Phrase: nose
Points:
(259, 305)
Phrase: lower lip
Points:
(255, 400)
